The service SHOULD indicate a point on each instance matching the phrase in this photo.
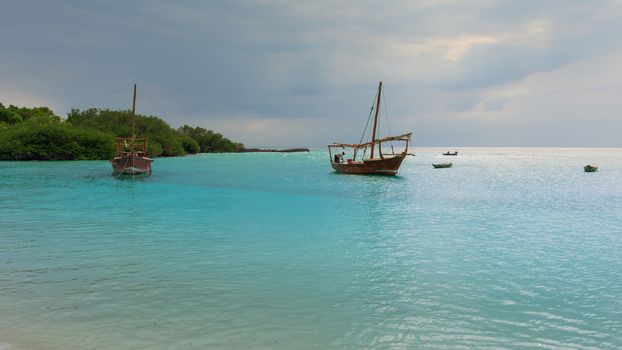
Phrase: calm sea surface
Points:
(510, 248)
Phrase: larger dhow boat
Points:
(131, 152)
(383, 164)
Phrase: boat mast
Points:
(373, 135)
(133, 122)
(134, 115)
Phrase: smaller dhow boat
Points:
(454, 153)
(131, 152)
(590, 168)
(442, 165)
(377, 162)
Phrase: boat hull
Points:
(131, 165)
(442, 165)
(590, 168)
(381, 166)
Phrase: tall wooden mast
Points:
(134, 114)
(133, 127)
(373, 135)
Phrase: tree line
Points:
(39, 134)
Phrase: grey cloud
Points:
(238, 60)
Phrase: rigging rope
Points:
(366, 125)
(386, 114)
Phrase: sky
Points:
(517, 73)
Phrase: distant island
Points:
(257, 150)
(39, 134)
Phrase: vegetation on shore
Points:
(38, 134)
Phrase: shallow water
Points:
(509, 248)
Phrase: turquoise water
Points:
(510, 248)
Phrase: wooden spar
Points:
(363, 145)
(373, 135)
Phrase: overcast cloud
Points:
(283, 73)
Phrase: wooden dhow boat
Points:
(131, 152)
(590, 168)
(442, 165)
(383, 164)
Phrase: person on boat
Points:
(339, 157)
